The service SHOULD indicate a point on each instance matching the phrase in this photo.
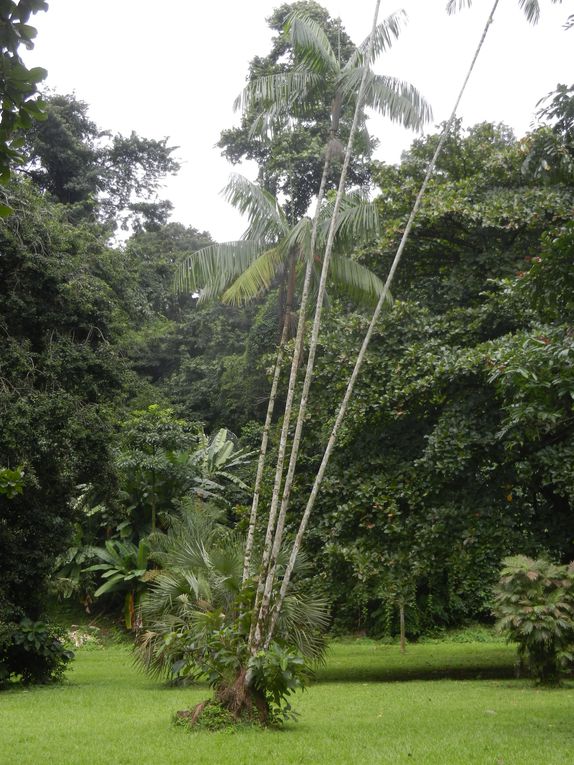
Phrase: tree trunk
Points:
(403, 639)
(263, 451)
(256, 627)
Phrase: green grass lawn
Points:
(440, 703)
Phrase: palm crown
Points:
(271, 248)
(318, 73)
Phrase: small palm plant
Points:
(534, 607)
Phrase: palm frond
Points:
(455, 5)
(386, 32)
(306, 620)
(357, 281)
(298, 238)
(267, 221)
(211, 270)
(278, 91)
(255, 279)
(391, 97)
(310, 43)
(357, 221)
(531, 9)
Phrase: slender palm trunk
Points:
(289, 301)
(263, 449)
(255, 633)
(362, 353)
(264, 609)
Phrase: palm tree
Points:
(318, 70)
(276, 522)
(532, 12)
(318, 76)
(273, 249)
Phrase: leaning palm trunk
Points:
(278, 536)
(263, 448)
(255, 633)
(362, 353)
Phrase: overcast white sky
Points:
(172, 68)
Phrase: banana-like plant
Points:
(125, 569)
(214, 460)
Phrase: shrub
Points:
(534, 606)
(33, 651)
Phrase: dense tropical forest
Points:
(138, 356)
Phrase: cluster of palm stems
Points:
(244, 269)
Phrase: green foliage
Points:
(198, 591)
(550, 148)
(214, 717)
(299, 103)
(21, 105)
(291, 163)
(94, 173)
(278, 673)
(60, 377)
(11, 482)
(534, 607)
(456, 448)
(33, 652)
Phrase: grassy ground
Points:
(455, 703)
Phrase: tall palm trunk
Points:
(256, 626)
(362, 353)
(278, 537)
(265, 438)
(255, 633)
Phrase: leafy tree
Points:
(551, 147)
(98, 175)
(342, 410)
(21, 105)
(447, 440)
(60, 376)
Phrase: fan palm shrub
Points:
(197, 615)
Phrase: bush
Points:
(534, 606)
(34, 652)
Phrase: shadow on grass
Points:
(402, 674)
(385, 664)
